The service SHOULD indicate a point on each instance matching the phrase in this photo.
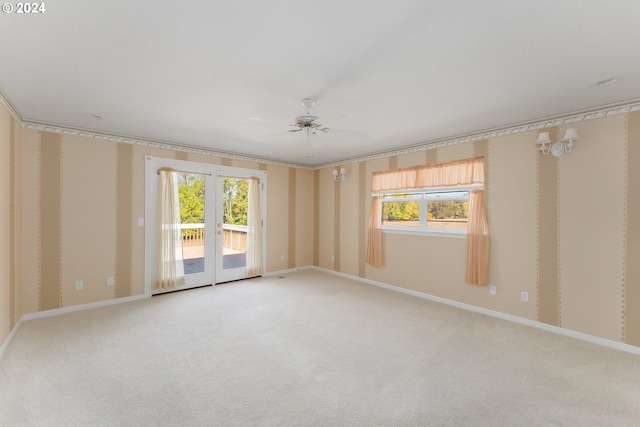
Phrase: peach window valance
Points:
(437, 175)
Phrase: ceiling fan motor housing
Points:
(306, 119)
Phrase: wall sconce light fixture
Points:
(339, 176)
(557, 149)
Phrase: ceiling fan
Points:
(307, 124)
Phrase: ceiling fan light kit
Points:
(307, 123)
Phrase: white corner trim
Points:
(499, 315)
(9, 340)
(74, 308)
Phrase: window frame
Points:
(423, 227)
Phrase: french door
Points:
(214, 205)
(196, 209)
(234, 230)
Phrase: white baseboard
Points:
(504, 316)
(290, 270)
(5, 344)
(58, 311)
(73, 308)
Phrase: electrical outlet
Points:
(79, 285)
(524, 296)
(492, 290)
(333, 258)
(281, 257)
(140, 222)
(110, 281)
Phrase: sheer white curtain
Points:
(169, 265)
(254, 230)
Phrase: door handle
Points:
(219, 232)
(219, 225)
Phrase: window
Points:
(426, 211)
(444, 197)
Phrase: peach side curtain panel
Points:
(169, 266)
(477, 240)
(438, 175)
(374, 234)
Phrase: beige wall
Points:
(11, 307)
(17, 238)
(560, 230)
(304, 218)
(82, 198)
(278, 230)
(511, 205)
(5, 224)
(591, 212)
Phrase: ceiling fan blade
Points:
(348, 133)
(275, 134)
(293, 130)
(258, 119)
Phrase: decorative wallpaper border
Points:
(606, 110)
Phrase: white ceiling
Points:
(385, 74)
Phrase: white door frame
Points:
(152, 164)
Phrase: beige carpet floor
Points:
(308, 349)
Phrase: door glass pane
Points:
(235, 208)
(191, 189)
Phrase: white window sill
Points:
(455, 234)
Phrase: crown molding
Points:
(124, 139)
(606, 110)
(6, 103)
(43, 127)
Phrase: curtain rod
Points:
(238, 177)
(174, 170)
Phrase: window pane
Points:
(448, 195)
(402, 196)
(191, 188)
(451, 214)
(403, 214)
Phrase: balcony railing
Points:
(192, 234)
(234, 236)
